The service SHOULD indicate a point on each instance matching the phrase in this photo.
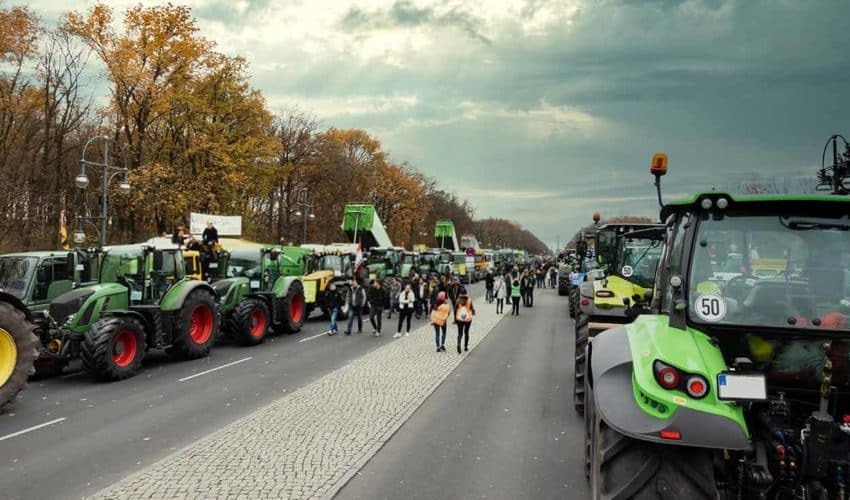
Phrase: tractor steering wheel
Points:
(737, 287)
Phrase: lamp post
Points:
(305, 210)
(82, 181)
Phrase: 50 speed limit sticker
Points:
(711, 308)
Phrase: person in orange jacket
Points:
(464, 312)
(439, 318)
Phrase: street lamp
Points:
(305, 211)
(82, 182)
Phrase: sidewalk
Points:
(310, 443)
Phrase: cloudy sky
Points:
(544, 111)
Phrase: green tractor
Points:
(142, 301)
(586, 266)
(629, 253)
(263, 289)
(18, 347)
(384, 263)
(727, 384)
(410, 264)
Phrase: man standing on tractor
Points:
(356, 299)
(210, 235)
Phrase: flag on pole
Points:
(63, 232)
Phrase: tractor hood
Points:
(609, 292)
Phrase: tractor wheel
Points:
(48, 368)
(294, 309)
(197, 326)
(623, 467)
(582, 333)
(18, 351)
(113, 348)
(250, 321)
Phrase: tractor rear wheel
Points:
(575, 295)
(197, 326)
(294, 309)
(623, 467)
(18, 351)
(113, 348)
(579, 368)
(249, 323)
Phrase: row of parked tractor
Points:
(712, 350)
(109, 306)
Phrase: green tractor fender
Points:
(231, 292)
(282, 284)
(626, 395)
(87, 305)
(176, 295)
(16, 303)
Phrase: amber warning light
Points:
(659, 164)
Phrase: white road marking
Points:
(215, 369)
(314, 337)
(30, 429)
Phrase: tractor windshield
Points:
(409, 258)
(378, 256)
(333, 262)
(244, 265)
(772, 271)
(638, 258)
(16, 275)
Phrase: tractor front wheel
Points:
(18, 351)
(575, 296)
(197, 326)
(294, 308)
(622, 467)
(249, 323)
(113, 348)
(579, 368)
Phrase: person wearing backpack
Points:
(463, 318)
(406, 300)
(439, 318)
(515, 296)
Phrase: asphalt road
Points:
(502, 426)
(109, 430)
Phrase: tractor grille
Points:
(68, 303)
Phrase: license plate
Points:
(135, 295)
(737, 387)
(254, 284)
(213, 265)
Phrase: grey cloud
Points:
(403, 13)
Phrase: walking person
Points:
(439, 318)
(553, 277)
(530, 291)
(406, 300)
(463, 318)
(334, 302)
(515, 296)
(489, 282)
(424, 304)
(500, 291)
(378, 300)
(416, 286)
(356, 299)
(395, 290)
(454, 292)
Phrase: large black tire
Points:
(626, 468)
(113, 348)
(249, 323)
(580, 368)
(575, 296)
(196, 327)
(14, 370)
(293, 309)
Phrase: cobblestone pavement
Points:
(311, 442)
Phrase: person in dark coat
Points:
(416, 286)
(489, 283)
(378, 300)
(334, 303)
(210, 235)
(356, 299)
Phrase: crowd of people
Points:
(440, 299)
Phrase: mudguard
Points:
(88, 304)
(282, 284)
(586, 289)
(16, 303)
(176, 295)
(231, 291)
(634, 404)
(146, 321)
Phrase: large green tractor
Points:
(410, 264)
(18, 347)
(629, 254)
(728, 384)
(384, 262)
(142, 301)
(263, 289)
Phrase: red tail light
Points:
(697, 386)
(674, 435)
(668, 378)
(585, 302)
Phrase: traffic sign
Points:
(470, 252)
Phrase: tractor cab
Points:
(36, 278)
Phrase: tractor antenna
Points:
(832, 178)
